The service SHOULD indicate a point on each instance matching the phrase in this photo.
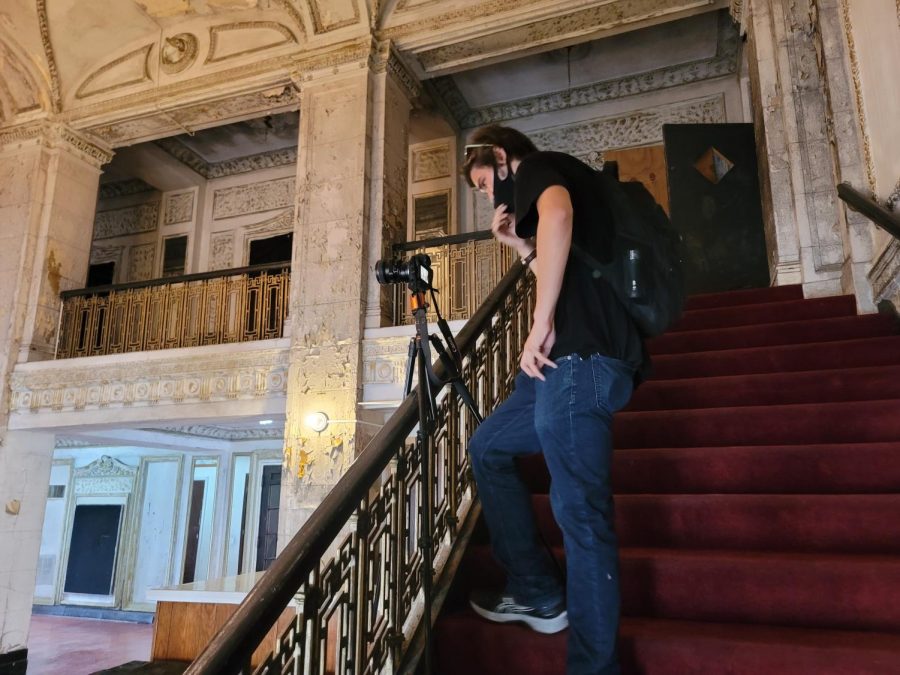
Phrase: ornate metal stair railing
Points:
(235, 305)
(354, 568)
(467, 267)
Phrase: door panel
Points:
(92, 551)
(715, 204)
(647, 165)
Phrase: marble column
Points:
(351, 181)
(48, 190)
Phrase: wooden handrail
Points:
(234, 644)
(871, 209)
(442, 241)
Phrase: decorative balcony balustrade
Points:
(467, 267)
(355, 567)
(236, 305)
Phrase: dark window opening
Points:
(271, 250)
(101, 274)
(174, 254)
(92, 551)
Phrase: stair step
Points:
(769, 334)
(776, 359)
(815, 386)
(844, 422)
(799, 523)
(465, 643)
(769, 312)
(814, 590)
(749, 296)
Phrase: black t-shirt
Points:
(589, 317)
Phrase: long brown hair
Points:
(480, 150)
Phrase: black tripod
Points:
(419, 358)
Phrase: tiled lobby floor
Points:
(62, 645)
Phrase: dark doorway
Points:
(271, 250)
(101, 274)
(193, 538)
(92, 552)
(267, 541)
(715, 204)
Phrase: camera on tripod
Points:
(415, 272)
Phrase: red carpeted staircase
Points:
(757, 482)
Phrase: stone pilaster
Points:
(807, 143)
(353, 127)
(48, 188)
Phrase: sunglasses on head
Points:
(473, 146)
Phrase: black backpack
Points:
(645, 269)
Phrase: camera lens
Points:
(390, 272)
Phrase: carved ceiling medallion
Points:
(125, 71)
(178, 53)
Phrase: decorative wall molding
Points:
(44, 25)
(127, 70)
(69, 442)
(642, 127)
(57, 136)
(253, 198)
(141, 258)
(332, 18)
(19, 88)
(231, 167)
(280, 224)
(106, 475)
(384, 58)
(221, 250)
(885, 274)
(141, 382)
(126, 221)
(858, 95)
(218, 35)
(179, 208)
(431, 163)
(725, 62)
(292, 12)
(122, 188)
(384, 360)
(178, 53)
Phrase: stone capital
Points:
(55, 135)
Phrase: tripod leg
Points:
(410, 362)
(426, 421)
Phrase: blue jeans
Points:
(568, 418)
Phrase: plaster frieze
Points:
(385, 59)
(384, 360)
(141, 258)
(128, 70)
(431, 163)
(122, 188)
(221, 251)
(131, 382)
(126, 221)
(724, 63)
(69, 442)
(253, 198)
(313, 65)
(106, 476)
(585, 139)
(179, 208)
(581, 23)
(231, 167)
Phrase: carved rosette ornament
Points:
(178, 53)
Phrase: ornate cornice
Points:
(385, 59)
(858, 95)
(310, 66)
(122, 188)
(724, 63)
(55, 135)
(457, 16)
(106, 467)
(231, 167)
(221, 433)
(43, 23)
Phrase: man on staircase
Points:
(578, 367)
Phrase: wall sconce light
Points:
(317, 421)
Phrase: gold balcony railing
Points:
(467, 267)
(236, 305)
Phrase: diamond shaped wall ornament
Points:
(713, 165)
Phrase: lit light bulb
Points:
(317, 421)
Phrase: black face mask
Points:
(505, 191)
